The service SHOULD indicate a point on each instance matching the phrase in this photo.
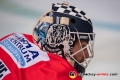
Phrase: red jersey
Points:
(21, 59)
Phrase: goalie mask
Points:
(59, 30)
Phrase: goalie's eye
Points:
(83, 46)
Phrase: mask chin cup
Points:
(79, 68)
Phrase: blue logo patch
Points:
(41, 30)
(16, 53)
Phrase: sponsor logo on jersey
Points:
(23, 51)
(3, 70)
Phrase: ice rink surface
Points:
(21, 16)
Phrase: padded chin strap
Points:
(80, 69)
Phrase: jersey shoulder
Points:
(30, 59)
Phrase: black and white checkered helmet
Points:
(57, 31)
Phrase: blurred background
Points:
(21, 16)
